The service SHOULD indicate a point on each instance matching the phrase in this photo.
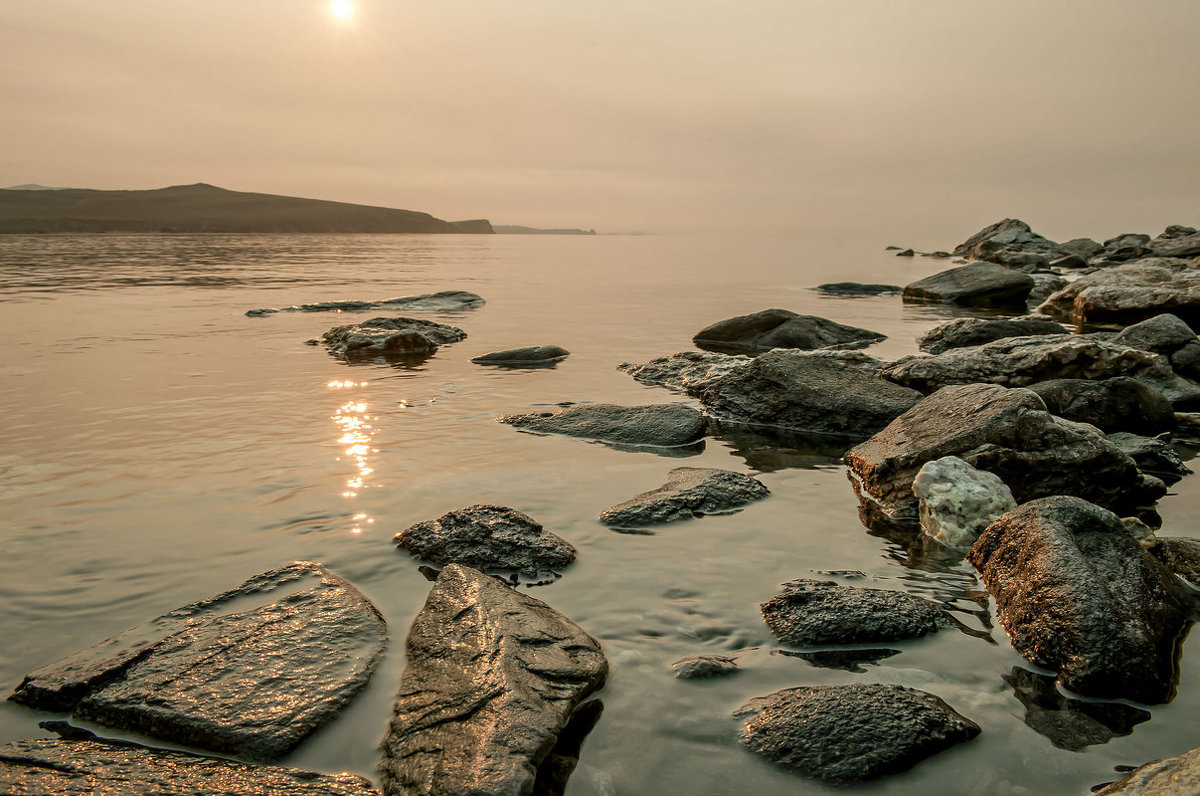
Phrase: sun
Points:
(341, 9)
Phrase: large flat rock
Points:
(386, 338)
(442, 301)
(655, 425)
(494, 678)
(89, 768)
(776, 328)
(975, 284)
(1131, 292)
(689, 492)
(224, 675)
(964, 332)
(815, 613)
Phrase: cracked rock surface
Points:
(689, 492)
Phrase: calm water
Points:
(159, 447)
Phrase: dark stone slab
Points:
(389, 337)
(815, 613)
(775, 328)
(1163, 334)
(689, 492)
(46, 767)
(1116, 404)
(704, 667)
(1153, 456)
(1181, 556)
(857, 289)
(851, 733)
(222, 676)
(442, 301)
(1078, 595)
(1131, 292)
(685, 371)
(656, 425)
(1011, 242)
(495, 539)
(524, 357)
(494, 678)
(963, 332)
(974, 284)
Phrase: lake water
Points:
(159, 446)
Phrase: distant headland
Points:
(204, 208)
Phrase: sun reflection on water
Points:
(354, 423)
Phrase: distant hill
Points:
(204, 208)
(511, 230)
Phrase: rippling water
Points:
(159, 446)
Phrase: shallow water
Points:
(159, 447)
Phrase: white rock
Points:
(957, 501)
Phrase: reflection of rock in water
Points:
(767, 450)
(942, 575)
(557, 767)
(1070, 723)
(848, 660)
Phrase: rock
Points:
(690, 492)
(857, 289)
(1003, 431)
(956, 501)
(524, 357)
(975, 284)
(1153, 456)
(1186, 361)
(963, 332)
(851, 733)
(1022, 361)
(1162, 334)
(1176, 241)
(656, 425)
(1045, 284)
(1116, 404)
(389, 337)
(1067, 261)
(493, 681)
(494, 539)
(1010, 242)
(1078, 595)
(939, 255)
(218, 676)
(1081, 247)
(905, 253)
(92, 768)
(762, 331)
(811, 613)
(685, 370)
(1129, 246)
(1072, 724)
(1181, 556)
(1173, 776)
(832, 392)
(442, 301)
(1129, 293)
(703, 667)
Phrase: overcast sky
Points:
(1081, 116)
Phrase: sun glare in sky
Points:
(341, 9)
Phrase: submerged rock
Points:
(775, 328)
(857, 289)
(1172, 776)
(494, 677)
(1003, 431)
(655, 425)
(94, 768)
(389, 337)
(851, 733)
(1078, 595)
(832, 392)
(524, 357)
(1116, 404)
(489, 538)
(690, 492)
(218, 676)
(956, 501)
(816, 613)
(1131, 292)
(975, 284)
(703, 667)
(686, 371)
(963, 332)
(442, 301)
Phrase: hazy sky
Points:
(1080, 116)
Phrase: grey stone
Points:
(857, 289)
(442, 301)
(1172, 776)
(389, 337)
(1067, 261)
(218, 676)
(89, 768)
(1045, 284)
(1081, 247)
(775, 328)
(1116, 404)
(1176, 241)
(703, 667)
(956, 501)
(974, 284)
(963, 332)
(1180, 555)
(832, 392)
(689, 492)
(490, 538)
(1010, 242)
(1129, 293)
(1186, 361)
(494, 677)
(685, 371)
(1153, 456)
(851, 733)
(816, 613)
(1003, 431)
(905, 253)
(1129, 246)
(1162, 334)
(1078, 595)
(656, 425)
(524, 357)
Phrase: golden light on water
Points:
(354, 424)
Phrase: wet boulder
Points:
(493, 682)
(1007, 432)
(704, 667)
(689, 492)
(442, 301)
(1078, 595)
(857, 289)
(963, 332)
(776, 328)
(685, 371)
(389, 337)
(1116, 404)
(832, 392)
(495, 539)
(656, 425)
(956, 501)
(221, 676)
(810, 613)
(1129, 293)
(1153, 456)
(530, 356)
(1181, 556)
(95, 768)
(975, 284)
(1172, 776)
(842, 734)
